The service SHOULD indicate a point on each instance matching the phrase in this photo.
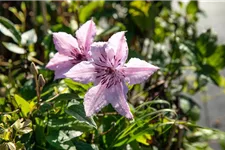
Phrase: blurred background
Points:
(185, 39)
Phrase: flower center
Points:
(109, 76)
(80, 57)
(109, 70)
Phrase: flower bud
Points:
(41, 81)
(33, 69)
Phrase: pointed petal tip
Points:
(129, 116)
(88, 114)
(121, 33)
(155, 67)
(55, 34)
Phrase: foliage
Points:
(38, 112)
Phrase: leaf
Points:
(29, 37)
(217, 59)
(206, 43)
(88, 9)
(39, 131)
(85, 146)
(11, 146)
(139, 13)
(60, 140)
(213, 74)
(77, 111)
(140, 127)
(69, 123)
(23, 105)
(72, 133)
(22, 125)
(8, 29)
(189, 107)
(112, 29)
(23, 6)
(65, 97)
(192, 7)
(14, 48)
(4, 146)
(79, 88)
(144, 139)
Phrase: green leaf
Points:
(77, 111)
(60, 140)
(190, 107)
(65, 97)
(29, 37)
(206, 43)
(14, 48)
(23, 104)
(144, 138)
(85, 146)
(69, 123)
(40, 131)
(79, 88)
(213, 74)
(217, 59)
(88, 9)
(23, 6)
(8, 29)
(112, 29)
(139, 13)
(192, 7)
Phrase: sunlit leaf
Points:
(206, 43)
(60, 140)
(144, 139)
(192, 7)
(29, 37)
(23, 105)
(139, 12)
(14, 48)
(217, 59)
(23, 6)
(88, 9)
(213, 74)
(11, 146)
(8, 29)
(22, 126)
(79, 88)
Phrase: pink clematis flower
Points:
(71, 51)
(109, 73)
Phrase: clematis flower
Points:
(71, 51)
(109, 73)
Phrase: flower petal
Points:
(98, 54)
(85, 35)
(117, 49)
(95, 100)
(99, 96)
(60, 64)
(83, 72)
(65, 43)
(118, 96)
(137, 71)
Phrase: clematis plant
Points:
(108, 71)
(71, 51)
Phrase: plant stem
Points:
(172, 133)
